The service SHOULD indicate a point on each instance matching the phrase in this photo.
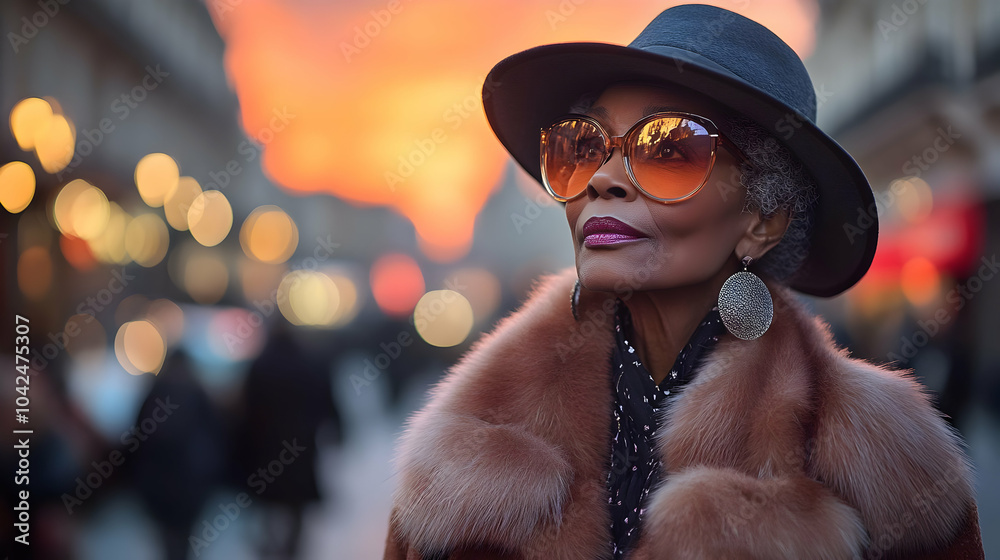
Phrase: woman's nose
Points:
(611, 180)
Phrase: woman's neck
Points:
(664, 320)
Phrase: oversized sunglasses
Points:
(668, 155)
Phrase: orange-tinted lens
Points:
(670, 157)
(572, 151)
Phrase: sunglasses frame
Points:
(612, 142)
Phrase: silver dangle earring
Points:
(574, 299)
(745, 304)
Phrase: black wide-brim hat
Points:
(739, 64)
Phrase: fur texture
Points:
(781, 447)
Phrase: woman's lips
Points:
(605, 230)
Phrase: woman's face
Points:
(680, 244)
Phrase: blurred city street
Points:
(360, 476)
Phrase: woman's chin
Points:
(610, 270)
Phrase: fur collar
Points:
(781, 447)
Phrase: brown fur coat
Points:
(780, 447)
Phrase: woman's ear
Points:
(763, 233)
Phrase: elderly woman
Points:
(670, 397)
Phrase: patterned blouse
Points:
(635, 465)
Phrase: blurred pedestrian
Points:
(178, 449)
(286, 398)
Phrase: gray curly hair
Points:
(775, 181)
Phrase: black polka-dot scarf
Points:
(635, 465)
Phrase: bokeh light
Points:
(77, 252)
(920, 280)
(168, 318)
(350, 300)
(81, 210)
(156, 177)
(90, 213)
(309, 298)
(62, 208)
(914, 199)
(205, 275)
(109, 246)
(17, 186)
(443, 318)
(269, 235)
(236, 334)
(259, 281)
(54, 143)
(480, 286)
(27, 119)
(397, 284)
(140, 348)
(179, 201)
(146, 239)
(210, 218)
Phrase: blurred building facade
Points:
(911, 88)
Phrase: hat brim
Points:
(527, 91)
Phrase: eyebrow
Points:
(646, 111)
